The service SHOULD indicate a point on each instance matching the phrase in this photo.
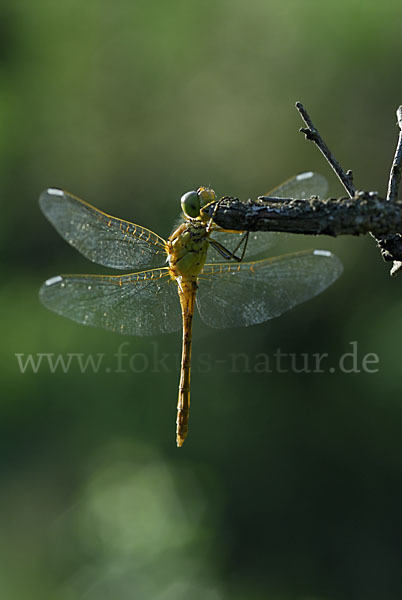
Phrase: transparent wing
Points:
(243, 294)
(99, 237)
(301, 186)
(144, 303)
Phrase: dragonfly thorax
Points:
(187, 249)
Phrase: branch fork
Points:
(357, 214)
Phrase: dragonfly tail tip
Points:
(179, 441)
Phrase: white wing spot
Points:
(55, 192)
(53, 280)
(306, 175)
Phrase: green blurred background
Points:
(289, 485)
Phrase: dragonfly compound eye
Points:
(190, 204)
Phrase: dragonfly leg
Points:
(211, 220)
(245, 240)
(228, 254)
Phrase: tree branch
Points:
(395, 174)
(361, 213)
(390, 246)
(343, 216)
(312, 134)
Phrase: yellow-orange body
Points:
(187, 250)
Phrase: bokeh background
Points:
(289, 485)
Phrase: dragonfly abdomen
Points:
(187, 291)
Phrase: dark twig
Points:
(395, 174)
(361, 213)
(344, 216)
(312, 134)
(390, 245)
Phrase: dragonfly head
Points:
(193, 202)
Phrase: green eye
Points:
(190, 204)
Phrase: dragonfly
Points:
(200, 264)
